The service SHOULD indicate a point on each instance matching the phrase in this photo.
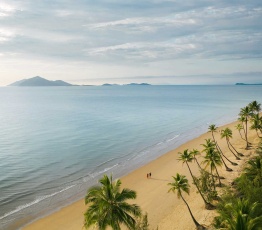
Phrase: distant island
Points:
(39, 81)
(132, 84)
(248, 84)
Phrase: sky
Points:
(121, 41)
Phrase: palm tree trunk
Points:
(238, 153)
(227, 168)
(198, 163)
(241, 135)
(257, 133)
(213, 136)
(231, 150)
(233, 163)
(207, 204)
(199, 226)
(246, 134)
(218, 150)
(213, 179)
(218, 176)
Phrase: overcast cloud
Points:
(157, 41)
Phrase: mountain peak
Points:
(39, 81)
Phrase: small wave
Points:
(95, 174)
(19, 208)
(176, 136)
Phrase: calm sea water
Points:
(55, 142)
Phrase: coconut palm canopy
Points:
(108, 206)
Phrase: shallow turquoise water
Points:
(57, 141)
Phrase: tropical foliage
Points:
(212, 159)
(205, 183)
(227, 133)
(245, 114)
(241, 208)
(187, 157)
(212, 128)
(108, 206)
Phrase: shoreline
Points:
(152, 193)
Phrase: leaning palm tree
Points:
(246, 113)
(195, 153)
(240, 127)
(233, 163)
(227, 133)
(179, 185)
(242, 119)
(212, 128)
(212, 159)
(187, 157)
(108, 206)
(212, 144)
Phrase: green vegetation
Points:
(240, 127)
(212, 159)
(212, 128)
(108, 206)
(239, 206)
(187, 157)
(227, 133)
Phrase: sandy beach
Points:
(164, 210)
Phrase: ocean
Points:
(56, 142)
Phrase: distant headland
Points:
(39, 81)
(248, 84)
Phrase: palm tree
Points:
(233, 163)
(212, 128)
(212, 144)
(255, 107)
(195, 153)
(179, 185)
(240, 127)
(187, 157)
(242, 119)
(212, 159)
(256, 123)
(227, 133)
(245, 113)
(108, 206)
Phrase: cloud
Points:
(167, 34)
(143, 50)
(6, 9)
(141, 24)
